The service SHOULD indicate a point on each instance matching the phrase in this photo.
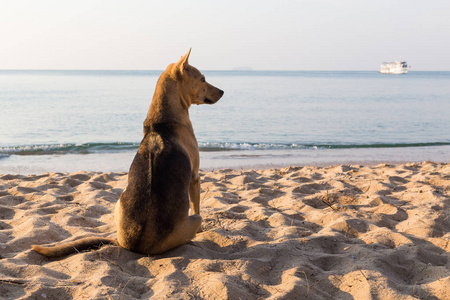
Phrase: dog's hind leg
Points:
(183, 233)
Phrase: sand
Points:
(340, 232)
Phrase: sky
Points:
(262, 35)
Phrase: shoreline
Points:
(347, 232)
(235, 159)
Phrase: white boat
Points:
(396, 67)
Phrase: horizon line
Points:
(222, 70)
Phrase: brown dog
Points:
(152, 214)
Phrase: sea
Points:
(77, 120)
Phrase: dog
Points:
(152, 213)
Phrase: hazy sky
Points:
(264, 35)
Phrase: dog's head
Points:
(193, 86)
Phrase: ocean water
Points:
(92, 120)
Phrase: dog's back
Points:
(157, 193)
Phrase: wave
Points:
(87, 148)
(46, 149)
(293, 146)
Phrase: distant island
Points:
(243, 69)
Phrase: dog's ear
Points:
(183, 62)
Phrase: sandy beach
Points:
(339, 232)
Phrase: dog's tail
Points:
(90, 243)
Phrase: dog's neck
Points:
(167, 105)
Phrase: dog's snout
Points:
(221, 93)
